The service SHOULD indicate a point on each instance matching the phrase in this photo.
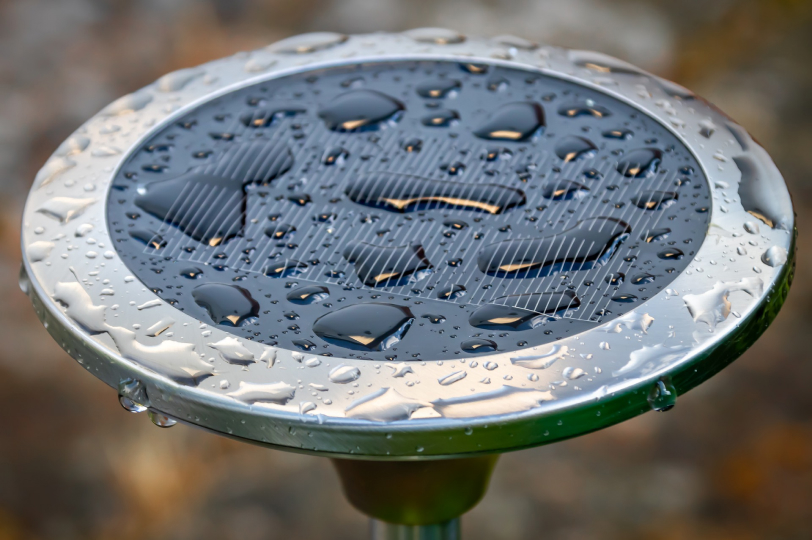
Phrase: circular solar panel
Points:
(407, 245)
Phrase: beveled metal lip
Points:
(693, 352)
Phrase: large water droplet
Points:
(513, 122)
(228, 305)
(307, 43)
(278, 392)
(361, 110)
(343, 374)
(308, 295)
(655, 200)
(522, 311)
(775, 256)
(663, 395)
(388, 266)
(438, 89)
(478, 346)
(407, 194)
(559, 190)
(161, 420)
(589, 244)
(640, 163)
(373, 327)
(384, 405)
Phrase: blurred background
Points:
(733, 460)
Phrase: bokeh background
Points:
(733, 460)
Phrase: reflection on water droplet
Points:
(361, 110)
(279, 231)
(713, 306)
(384, 405)
(513, 122)
(751, 227)
(451, 378)
(150, 239)
(574, 110)
(228, 305)
(573, 373)
(288, 267)
(670, 254)
(441, 118)
(370, 326)
(191, 273)
(335, 156)
(278, 392)
(132, 395)
(434, 319)
(621, 134)
(655, 235)
(597, 240)
(64, 209)
(507, 399)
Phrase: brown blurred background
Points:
(732, 461)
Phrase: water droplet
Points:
(280, 231)
(541, 361)
(655, 235)
(713, 306)
(177, 80)
(369, 326)
(438, 36)
(132, 395)
(751, 227)
(64, 209)
(148, 238)
(478, 345)
(161, 420)
(564, 190)
(278, 392)
(451, 292)
(441, 118)
(670, 254)
(39, 251)
(228, 305)
(128, 104)
(384, 405)
(655, 200)
(388, 266)
(574, 110)
(413, 145)
(311, 294)
(621, 134)
(522, 311)
(307, 43)
(52, 169)
(640, 163)
(191, 273)
(438, 89)
(233, 351)
(573, 373)
(534, 257)
(451, 378)
(506, 399)
(774, 256)
(288, 267)
(343, 374)
(434, 319)
(361, 110)
(663, 395)
(407, 194)
(574, 148)
(335, 156)
(513, 122)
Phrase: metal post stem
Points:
(449, 530)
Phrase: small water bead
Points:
(286, 268)
(434, 319)
(655, 235)
(574, 110)
(279, 231)
(751, 227)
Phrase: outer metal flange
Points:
(134, 341)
